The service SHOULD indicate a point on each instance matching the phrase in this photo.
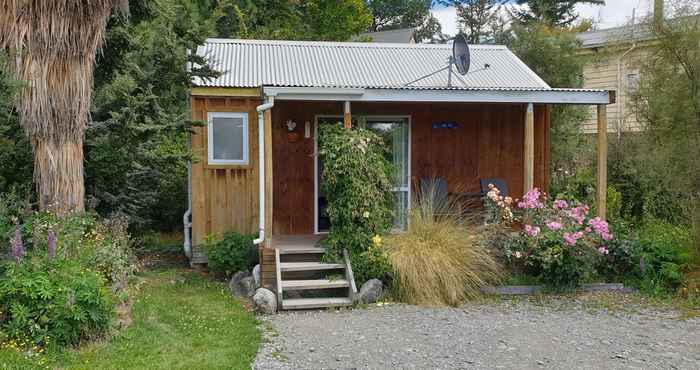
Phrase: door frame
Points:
(363, 119)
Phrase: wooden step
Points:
(309, 250)
(314, 284)
(305, 303)
(310, 266)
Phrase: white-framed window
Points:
(227, 138)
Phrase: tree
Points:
(474, 16)
(53, 44)
(552, 54)
(667, 158)
(394, 14)
(284, 19)
(15, 152)
(559, 13)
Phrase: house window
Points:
(228, 138)
(632, 83)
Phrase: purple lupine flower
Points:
(51, 241)
(17, 245)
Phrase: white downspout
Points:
(187, 224)
(270, 102)
(621, 101)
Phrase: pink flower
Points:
(532, 230)
(531, 200)
(560, 204)
(578, 214)
(572, 238)
(603, 250)
(554, 225)
(601, 228)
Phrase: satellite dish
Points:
(460, 54)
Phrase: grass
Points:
(439, 260)
(181, 320)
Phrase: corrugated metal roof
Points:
(630, 33)
(400, 36)
(255, 63)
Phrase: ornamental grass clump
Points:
(439, 259)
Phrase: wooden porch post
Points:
(347, 118)
(602, 174)
(268, 178)
(529, 150)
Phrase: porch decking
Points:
(293, 268)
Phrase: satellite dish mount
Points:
(460, 58)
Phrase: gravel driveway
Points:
(563, 333)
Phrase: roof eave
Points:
(538, 96)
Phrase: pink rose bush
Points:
(560, 241)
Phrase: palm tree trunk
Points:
(58, 174)
(53, 44)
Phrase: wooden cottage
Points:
(257, 171)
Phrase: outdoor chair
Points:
(497, 182)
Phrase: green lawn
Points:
(180, 321)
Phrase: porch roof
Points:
(379, 72)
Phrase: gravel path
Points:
(518, 334)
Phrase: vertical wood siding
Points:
(224, 197)
(488, 142)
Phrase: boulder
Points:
(256, 275)
(242, 284)
(265, 301)
(371, 291)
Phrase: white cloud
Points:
(614, 13)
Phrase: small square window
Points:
(632, 82)
(228, 138)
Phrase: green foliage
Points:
(665, 254)
(560, 241)
(553, 54)
(103, 246)
(15, 151)
(394, 14)
(357, 179)
(136, 149)
(560, 13)
(291, 20)
(11, 211)
(175, 313)
(234, 252)
(666, 159)
(53, 302)
(372, 263)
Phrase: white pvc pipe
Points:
(270, 102)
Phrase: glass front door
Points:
(396, 134)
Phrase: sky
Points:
(614, 13)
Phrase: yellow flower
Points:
(377, 240)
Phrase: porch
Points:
(459, 143)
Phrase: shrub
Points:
(234, 252)
(665, 254)
(357, 179)
(11, 210)
(439, 259)
(54, 301)
(559, 241)
(102, 245)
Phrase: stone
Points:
(256, 275)
(242, 284)
(371, 291)
(265, 301)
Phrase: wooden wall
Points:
(224, 197)
(488, 142)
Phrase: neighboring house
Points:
(398, 36)
(258, 171)
(614, 58)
